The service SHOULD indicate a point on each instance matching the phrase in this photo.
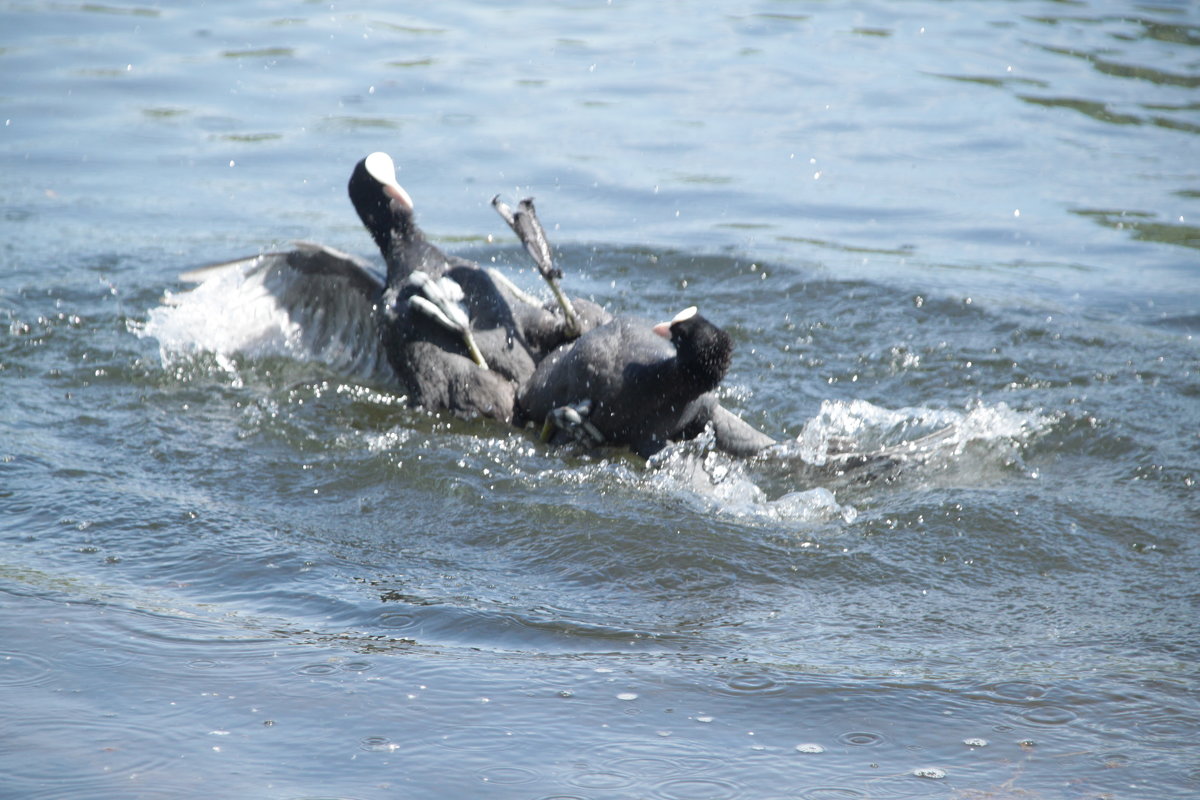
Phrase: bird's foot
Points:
(573, 421)
(440, 301)
(529, 230)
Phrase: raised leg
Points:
(529, 230)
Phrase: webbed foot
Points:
(439, 300)
(573, 421)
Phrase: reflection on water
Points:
(955, 248)
(1145, 227)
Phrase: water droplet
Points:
(809, 747)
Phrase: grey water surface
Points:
(227, 570)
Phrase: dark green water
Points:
(233, 573)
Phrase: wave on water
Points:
(714, 482)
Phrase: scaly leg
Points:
(528, 229)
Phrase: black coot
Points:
(625, 384)
(449, 322)
(453, 335)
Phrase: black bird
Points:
(439, 310)
(625, 384)
(454, 336)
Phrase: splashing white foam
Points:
(232, 312)
(847, 444)
(857, 426)
(227, 313)
(857, 443)
(718, 483)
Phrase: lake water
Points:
(237, 573)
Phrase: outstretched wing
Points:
(330, 297)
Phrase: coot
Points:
(453, 335)
(631, 383)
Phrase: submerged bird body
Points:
(620, 369)
(435, 365)
(639, 390)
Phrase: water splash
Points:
(229, 313)
(846, 445)
(858, 443)
(714, 482)
(857, 426)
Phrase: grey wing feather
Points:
(734, 435)
(330, 296)
(731, 433)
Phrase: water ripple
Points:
(1172, 724)
(908, 785)
(478, 738)
(397, 621)
(23, 669)
(1016, 690)
(134, 789)
(830, 793)
(649, 766)
(697, 789)
(600, 780)
(861, 738)
(752, 683)
(655, 755)
(1048, 715)
(99, 658)
(507, 776)
(316, 669)
(108, 746)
